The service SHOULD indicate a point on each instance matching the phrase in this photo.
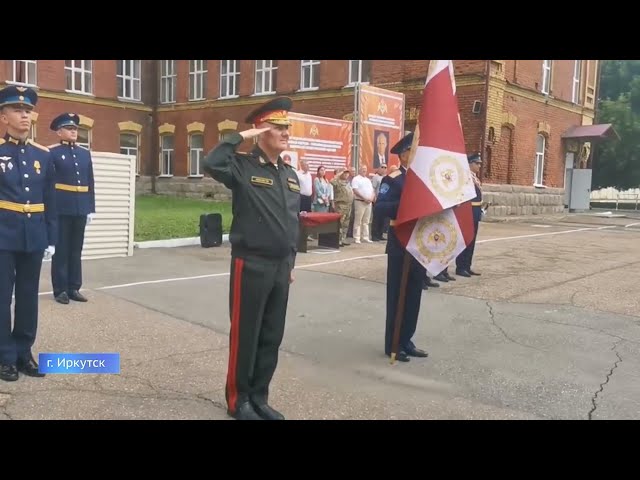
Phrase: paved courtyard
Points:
(549, 331)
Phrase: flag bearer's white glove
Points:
(49, 252)
(90, 218)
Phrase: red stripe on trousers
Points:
(234, 340)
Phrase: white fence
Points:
(627, 198)
(110, 234)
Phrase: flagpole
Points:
(406, 262)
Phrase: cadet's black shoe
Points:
(77, 296)
(441, 278)
(62, 298)
(401, 356)
(29, 367)
(431, 283)
(8, 373)
(449, 277)
(463, 273)
(474, 273)
(245, 411)
(266, 412)
(416, 352)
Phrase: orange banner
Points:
(381, 124)
(320, 141)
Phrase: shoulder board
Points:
(41, 147)
(2, 140)
(394, 174)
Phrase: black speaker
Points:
(210, 230)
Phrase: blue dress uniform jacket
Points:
(75, 193)
(387, 206)
(28, 216)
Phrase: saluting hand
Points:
(253, 132)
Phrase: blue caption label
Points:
(79, 363)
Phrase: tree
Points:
(618, 162)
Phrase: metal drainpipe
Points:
(487, 71)
(152, 166)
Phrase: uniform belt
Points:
(476, 204)
(71, 188)
(21, 207)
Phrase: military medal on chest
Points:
(36, 165)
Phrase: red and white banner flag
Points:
(434, 220)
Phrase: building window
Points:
(78, 76)
(167, 81)
(166, 155)
(546, 76)
(24, 72)
(266, 74)
(541, 143)
(32, 132)
(359, 71)
(229, 78)
(129, 145)
(128, 74)
(197, 79)
(309, 74)
(577, 76)
(196, 151)
(84, 138)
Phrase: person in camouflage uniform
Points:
(343, 200)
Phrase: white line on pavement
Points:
(320, 264)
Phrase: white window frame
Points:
(232, 75)
(199, 152)
(85, 145)
(264, 78)
(31, 82)
(314, 80)
(355, 81)
(135, 151)
(168, 78)
(577, 81)
(546, 76)
(130, 79)
(169, 154)
(538, 173)
(70, 70)
(32, 132)
(197, 79)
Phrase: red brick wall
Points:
(529, 113)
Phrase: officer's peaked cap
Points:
(65, 120)
(474, 157)
(17, 95)
(275, 111)
(403, 145)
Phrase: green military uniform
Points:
(263, 237)
(343, 201)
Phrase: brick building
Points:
(171, 112)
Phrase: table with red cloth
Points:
(325, 224)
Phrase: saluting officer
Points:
(387, 206)
(76, 202)
(463, 261)
(264, 237)
(28, 222)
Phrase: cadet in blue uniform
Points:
(264, 238)
(387, 206)
(28, 222)
(463, 261)
(76, 202)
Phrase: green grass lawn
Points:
(161, 217)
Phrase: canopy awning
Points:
(591, 132)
